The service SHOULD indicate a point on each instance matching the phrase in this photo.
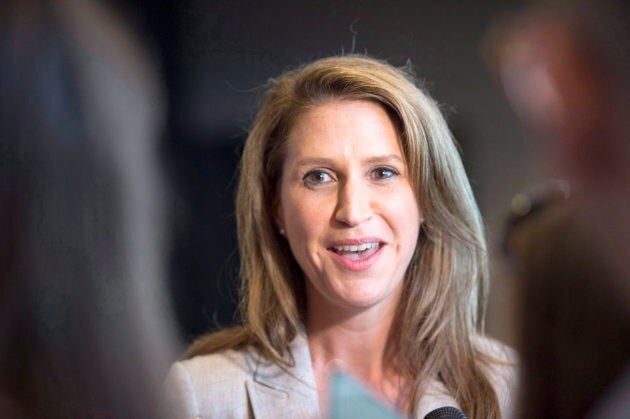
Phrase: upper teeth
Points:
(355, 248)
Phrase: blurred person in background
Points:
(564, 67)
(85, 330)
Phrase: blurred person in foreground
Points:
(565, 68)
(362, 248)
(574, 328)
(84, 328)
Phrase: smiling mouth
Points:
(357, 252)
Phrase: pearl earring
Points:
(282, 232)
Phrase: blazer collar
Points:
(273, 390)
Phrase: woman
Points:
(362, 248)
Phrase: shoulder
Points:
(501, 365)
(210, 383)
(497, 352)
(217, 367)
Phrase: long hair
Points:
(445, 284)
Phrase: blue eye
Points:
(317, 177)
(383, 173)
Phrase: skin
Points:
(563, 95)
(345, 178)
(572, 95)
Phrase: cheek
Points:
(305, 224)
(302, 218)
(405, 218)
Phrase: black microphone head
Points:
(446, 412)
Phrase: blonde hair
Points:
(446, 281)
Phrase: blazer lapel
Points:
(274, 393)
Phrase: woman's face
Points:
(347, 205)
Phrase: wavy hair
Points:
(446, 282)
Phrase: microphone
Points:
(446, 412)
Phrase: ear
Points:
(278, 217)
(556, 90)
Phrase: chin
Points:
(364, 298)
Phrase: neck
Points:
(341, 332)
(356, 341)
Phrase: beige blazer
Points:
(239, 384)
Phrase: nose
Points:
(353, 204)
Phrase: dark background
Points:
(216, 56)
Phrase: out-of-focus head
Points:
(84, 328)
(564, 67)
(435, 171)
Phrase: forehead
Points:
(350, 128)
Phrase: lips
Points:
(357, 254)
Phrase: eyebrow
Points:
(319, 161)
(385, 159)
